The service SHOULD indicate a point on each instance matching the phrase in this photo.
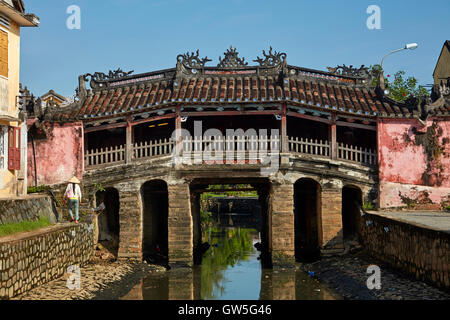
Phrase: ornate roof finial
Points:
(362, 72)
(271, 59)
(231, 60)
(191, 60)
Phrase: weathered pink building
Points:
(414, 161)
(55, 153)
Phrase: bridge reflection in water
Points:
(230, 270)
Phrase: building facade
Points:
(13, 129)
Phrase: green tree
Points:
(401, 88)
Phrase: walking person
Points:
(73, 196)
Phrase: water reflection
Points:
(230, 270)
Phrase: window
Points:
(3, 146)
(14, 148)
(3, 53)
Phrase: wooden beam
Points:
(356, 125)
(151, 119)
(308, 117)
(229, 113)
(106, 127)
(224, 190)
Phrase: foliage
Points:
(208, 195)
(12, 228)
(401, 88)
(98, 187)
(368, 206)
(228, 248)
(205, 217)
(38, 189)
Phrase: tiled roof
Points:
(192, 83)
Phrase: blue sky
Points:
(147, 35)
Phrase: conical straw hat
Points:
(74, 180)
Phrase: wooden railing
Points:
(228, 148)
(104, 156)
(237, 145)
(357, 154)
(321, 148)
(309, 146)
(150, 149)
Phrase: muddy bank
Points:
(103, 278)
(347, 275)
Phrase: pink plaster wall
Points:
(59, 157)
(403, 162)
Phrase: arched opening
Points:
(230, 218)
(351, 203)
(155, 243)
(307, 219)
(108, 220)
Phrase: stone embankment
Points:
(347, 275)
(103, 278)
(29, 208)
(33, 258)
(411, 242)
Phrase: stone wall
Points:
(331, 202)
(31, 259)
(283, 233)
(420, 252)
(130, 220)
(29, 208)
(180, 226)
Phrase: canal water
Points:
(231, 270)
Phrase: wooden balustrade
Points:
(309, 146)
(149, 149)
(105, 156)
(229, 148)
(357, 154)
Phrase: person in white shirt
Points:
(73, 195)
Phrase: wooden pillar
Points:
(178, 118)
(332, 137)
(178, 137)
(129, 146)
(284, 137)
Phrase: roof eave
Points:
(23, 20)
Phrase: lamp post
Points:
(410, 46)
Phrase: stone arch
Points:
(155, 211)
(352, 200)
(307, 218)
(108, 220)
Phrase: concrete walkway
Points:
(436, 220)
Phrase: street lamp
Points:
(410, 46)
